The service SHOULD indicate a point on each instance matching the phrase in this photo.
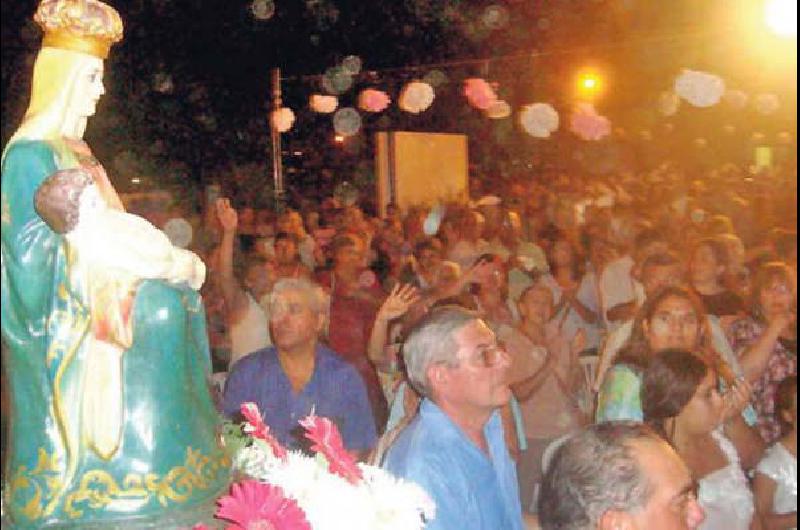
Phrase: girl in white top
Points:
(680, 399)
(775, 484)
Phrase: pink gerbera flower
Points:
(256, 427)
(328, 442)
(253, 505)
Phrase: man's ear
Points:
(616, 520)
(437, 375)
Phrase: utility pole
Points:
(277, 158)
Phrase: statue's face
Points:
(88, 89)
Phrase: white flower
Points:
(283, 119)
(323, 104)
(416, 97)
(701, 89)
(379, 502)
(539, 119)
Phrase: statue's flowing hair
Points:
(55, 73)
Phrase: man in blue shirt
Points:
(298, 376)
(455, 447)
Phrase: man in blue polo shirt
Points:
(298, 375)
(455, 447)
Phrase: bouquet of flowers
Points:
(287, 490)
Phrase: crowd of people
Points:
(662, 305)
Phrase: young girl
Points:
(680, 400)
(775, 484)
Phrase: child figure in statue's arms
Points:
(70, 204)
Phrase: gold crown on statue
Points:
(86, 26)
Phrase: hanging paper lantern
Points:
(417, 96)
(668, 103)
(323, 104)
(735, 98)
(587, 124)
(767, 103)
(347, 121)
(499, 110)
(282, 119)
(480, 94)
(539, 119)
(371, 100)
(699, 88)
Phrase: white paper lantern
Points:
(700, 89)
(539, 119)
(416, 97)
(283, 119)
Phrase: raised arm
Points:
(232, 292)
(400, 299)
(755, 357)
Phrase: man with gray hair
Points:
(298, 376)
(455, 447)
(618, 476)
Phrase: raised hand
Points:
(402, 297)
(227, 215)
(736, 399)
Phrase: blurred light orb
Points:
(495, 17)
(352, 64)
(337, 80)
(347, 121)
(262, 9)
(435, 78)
(781, 17)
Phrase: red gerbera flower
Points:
(258, 429)
(253, 505)
(328, 441)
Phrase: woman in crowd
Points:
(355, 297)
(708, 269)
(545, 380)
(574, 293)
(673, 319)
(775, 483)
(681, 401)
(766, 340)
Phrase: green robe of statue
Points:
(168, 462)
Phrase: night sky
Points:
(188, 88)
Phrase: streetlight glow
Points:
(781, 17)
